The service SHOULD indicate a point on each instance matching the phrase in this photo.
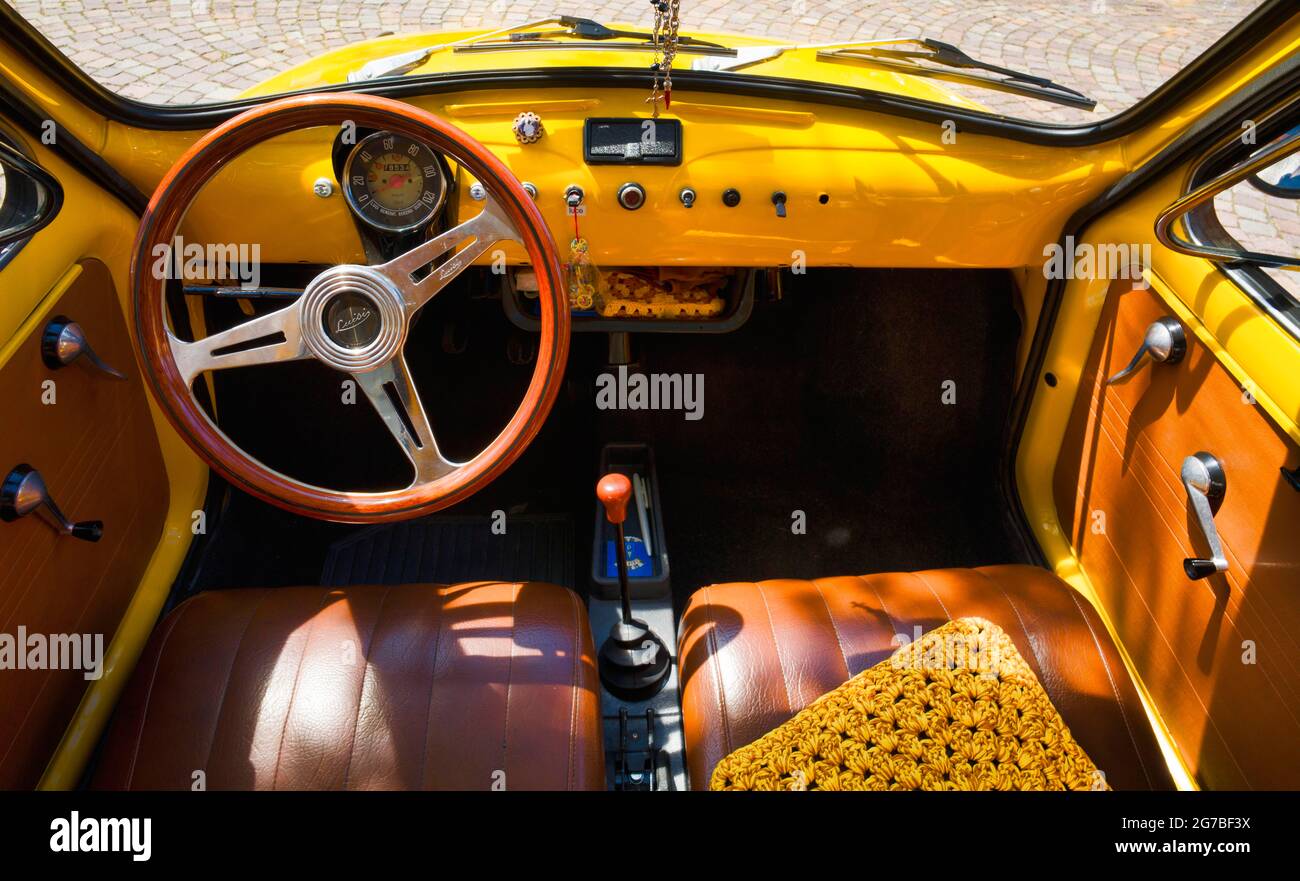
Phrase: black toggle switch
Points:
(778, 199)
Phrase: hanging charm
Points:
(581, 277)
(667, 19)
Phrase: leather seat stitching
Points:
(1111, 679)
(1033, 643)
(361, 691)
(715, 657)
(510, 672)
(293, 693)
(893, 623)
(225, 689)
(573, 703)
(776, 647)
(148, 697)
(922, 579)
(433, 681)
(835, 628)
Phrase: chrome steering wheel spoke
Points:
(485, 229)
(393, 395)
(266, 339)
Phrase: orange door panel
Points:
(94, 444)
(1220, 656)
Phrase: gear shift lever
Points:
(634, 661)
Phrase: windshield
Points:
(1111, 52)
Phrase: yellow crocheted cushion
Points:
(957, 709)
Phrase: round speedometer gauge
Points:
(394, 182)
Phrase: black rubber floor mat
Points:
(447, 550)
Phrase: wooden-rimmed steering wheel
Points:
(378, 304)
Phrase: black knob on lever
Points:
(634, 662)
(87, 530)
(23, 491)
(1199, 567)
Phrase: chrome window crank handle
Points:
(1205, 482)
(1165, 341)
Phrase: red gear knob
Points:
(614, 492)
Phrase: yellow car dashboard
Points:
(748, 183)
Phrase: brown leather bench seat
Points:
(407, 687)
(752, 655)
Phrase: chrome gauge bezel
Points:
(375, 216)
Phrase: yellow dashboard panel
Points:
(862, 189)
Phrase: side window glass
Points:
(1243, 212)
(29, 199)
(1262, 214)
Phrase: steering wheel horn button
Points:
(351, 320)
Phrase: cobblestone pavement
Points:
(1116, 51)
(184, 51)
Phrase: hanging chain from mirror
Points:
(667, 18)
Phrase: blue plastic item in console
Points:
(639, 564)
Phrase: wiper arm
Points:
(405, 62)
(937, 52)
(571, 27)
(587, 29)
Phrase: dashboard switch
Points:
(631, 195)
(778, 199)
(731, 197)
(573, 197)
(687, 195)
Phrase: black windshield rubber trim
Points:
(1243, 38)
(66, 146)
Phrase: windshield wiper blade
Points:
(588, 29)
(949, 56)
(610, 45)
(405, 62)
(502, 38)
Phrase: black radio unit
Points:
(632, 141)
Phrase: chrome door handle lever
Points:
(1165, 341)
(23, 491)
(64, 342)
(1205, 482)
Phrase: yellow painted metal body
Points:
(899, 192)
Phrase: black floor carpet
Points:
(452, 549)
(830, 402)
